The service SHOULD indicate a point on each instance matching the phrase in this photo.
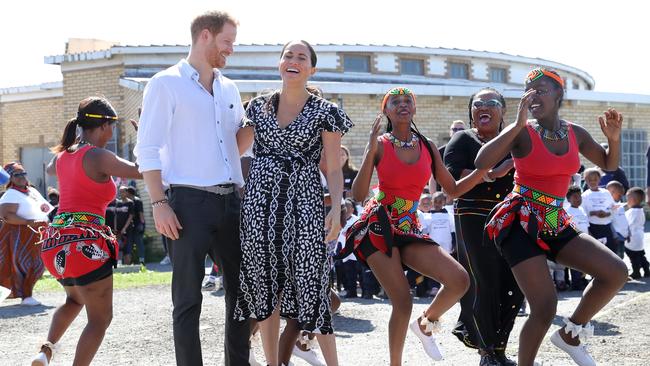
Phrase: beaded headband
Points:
(537, 73)
(397, 91)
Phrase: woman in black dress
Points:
(489, 307)
(285, 268)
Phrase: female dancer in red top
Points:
(530, 225)
(78, 249)
(387, 235)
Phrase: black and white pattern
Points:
(282, 216)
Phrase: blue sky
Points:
(607, 39)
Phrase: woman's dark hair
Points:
(348, 166)
(312, 53)
(93, 112)
(425, 141)
(491, 90)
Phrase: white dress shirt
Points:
(619, 222)
(188, 133)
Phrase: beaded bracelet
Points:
(161, 202)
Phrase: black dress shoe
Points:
(503, 359)
(489, 359)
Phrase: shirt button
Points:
(498, 195)
(221, 142)
(218, 122)
(226, 159)
(509, 293)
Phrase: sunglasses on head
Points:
(21, 174)
(489, 103)
(456, 129)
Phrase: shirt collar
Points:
(188, 71)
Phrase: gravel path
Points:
(141, 332)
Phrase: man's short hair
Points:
(212, 21)
(131, 190)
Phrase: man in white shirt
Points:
(187, 142)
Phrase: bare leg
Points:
(389, 273)
(535, 282)
(98, 299)
(287, 340)
(327, 343)
(607, 269)
(63, 317)
(433, 262)
(270, 333)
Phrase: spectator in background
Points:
(135, 234)
(119, 216)
(634, 246)
(53, 199)
(647, 175)
(353, 269)
(599, 205)
(349, 171)
(617, 175)
(581, 220)
(23, 211)
(620, 228)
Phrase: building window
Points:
(498, 75)
(412, 67)
(576, 84)
(633, 147)
(458, 70)
(356, 63)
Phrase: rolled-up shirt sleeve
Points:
(154, 126)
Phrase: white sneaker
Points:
(251, 358)
(4, 293)
(30, 301)
(310, 356)
(428, 342)
(578, 353)
(40, 360)
(165, 261)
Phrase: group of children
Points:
(602, 213)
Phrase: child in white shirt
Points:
(634, 246)
(599, 205)
(619, 222)
(581, 221)
(441, 225)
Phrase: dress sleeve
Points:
(249, 115)
(337, 121)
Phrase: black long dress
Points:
(282, 216)
(490, 306)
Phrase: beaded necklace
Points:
(557, 135)
(403, 144)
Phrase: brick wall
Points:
(30, 123)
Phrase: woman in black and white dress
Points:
(285, 269)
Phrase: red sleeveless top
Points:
(544, 171)
(399, 179)
(79, 193)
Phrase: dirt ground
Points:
(141, 331)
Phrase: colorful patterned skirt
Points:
(539, 214)
(387, 221)
(20, 260)
(78, 249)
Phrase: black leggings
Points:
(490, 305)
